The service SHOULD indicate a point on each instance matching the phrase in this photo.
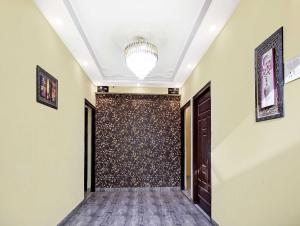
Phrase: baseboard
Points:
(70, 214)
(188, 195)
(214, 223)
(138, 189)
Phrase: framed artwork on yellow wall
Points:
(47, 88)
(269, 78)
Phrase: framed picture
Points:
(173, 91)
(269, 78)
(47, 88)
(102, 89)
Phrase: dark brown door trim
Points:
(93, 143)
(182, 114)
(85, 147)
(205, 89)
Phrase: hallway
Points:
(165, 208)
(122, 112)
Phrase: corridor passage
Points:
(155, 208)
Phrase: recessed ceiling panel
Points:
(97, 31)
(109, 26)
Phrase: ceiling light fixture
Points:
(141, 57)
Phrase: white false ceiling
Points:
(97, 31)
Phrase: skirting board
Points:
(138, 189)
(70, 214)
(187, 195)
(214, 223)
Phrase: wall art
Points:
(269, 78)
(46, 88)
(102, 89)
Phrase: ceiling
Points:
(97, 31)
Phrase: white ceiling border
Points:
(213, 13)
(195, 28)
(83, 35)
(192, 35)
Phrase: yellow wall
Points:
(41, 149)
(147, 90)
(255, 166)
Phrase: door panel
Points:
(202, 150)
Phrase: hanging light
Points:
(141, 57)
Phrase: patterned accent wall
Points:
(137, 140)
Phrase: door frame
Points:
(86, 116)
(182, 116)
(93, 143)
(195, 161)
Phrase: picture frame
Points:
(46, 88)
(174, 91)
(269, 78)
(102, 89)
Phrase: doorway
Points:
(89, 147)
(202, 149)
(186, 185)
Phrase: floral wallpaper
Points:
(137, 140)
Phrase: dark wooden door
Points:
(85, 148)
(202, 150)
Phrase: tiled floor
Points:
(157, 208)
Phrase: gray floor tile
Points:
(137, 208)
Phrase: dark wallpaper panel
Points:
(137, 140)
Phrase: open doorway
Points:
(89, 147)
(186, 150)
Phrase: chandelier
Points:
(141, 57)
